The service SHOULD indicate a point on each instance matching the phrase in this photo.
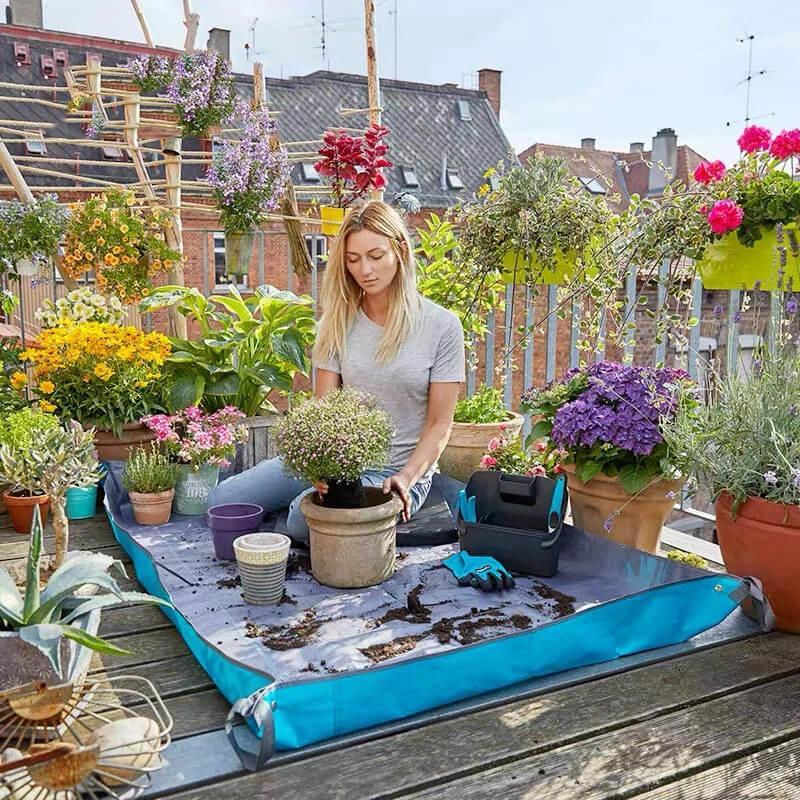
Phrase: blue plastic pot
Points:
(81, 502)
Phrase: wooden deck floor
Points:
(720, 724)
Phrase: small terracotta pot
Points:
(763, 540)
(20, 509)
(112, 448)
(638, 524)
(469, 442)
(152, 509)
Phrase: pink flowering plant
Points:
(196, 438)
(336, 437)
(249, 176)
(510, 455)
(200, 84)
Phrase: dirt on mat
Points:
(383, 652)
(229, 583)
(298, 562)
(564, 603)
(286, 637)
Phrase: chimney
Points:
(489, 82)
(219, 39)
(588, 143)
(665, 150)
(25, 12)
(637, 147)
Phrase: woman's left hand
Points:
(399, 483)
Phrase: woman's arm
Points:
(442, 398)
(326, 380)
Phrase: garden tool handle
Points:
(261, 711)
(556, 510)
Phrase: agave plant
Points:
(43, 616)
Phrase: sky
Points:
(617, 71)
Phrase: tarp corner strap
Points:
(760, 609)
(260, 711)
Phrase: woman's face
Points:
(371, 261)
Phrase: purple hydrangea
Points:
(621, 406)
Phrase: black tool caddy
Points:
(514, 521)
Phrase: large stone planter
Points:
(353, 547)
(636, 522)
(763, 541)
(469, 441)
(113, 448)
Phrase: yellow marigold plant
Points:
(98, 373)
(122, 242)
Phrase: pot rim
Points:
(513, 418)
(257, 511)
(151, 498)
(603, 478)
(388, 509)
(37, 498)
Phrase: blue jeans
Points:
(270, 485)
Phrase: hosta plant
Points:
(42, 616)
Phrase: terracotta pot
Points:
(469, 441)
(153, 508)
(638, 524)
(20, 509)
(763, 540)
(111, 448)
(353, 547)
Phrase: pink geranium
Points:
(786, 144)
(494, 444)
(754, 138)
(487, 462)
(709, 172)
(725, 216)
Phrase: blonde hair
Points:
(341, 295)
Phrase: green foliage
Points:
(247, 347)
(30, 231)
(148, 470)
(42, 617)
(37, 454)
(748, 442)
(692, 559)
(486, 405)
(10, 398)
(773, 199)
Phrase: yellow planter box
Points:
(332, 219)
(728, 264)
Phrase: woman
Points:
(379, 335)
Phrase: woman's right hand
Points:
(321, 487)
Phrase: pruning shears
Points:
(466, 507)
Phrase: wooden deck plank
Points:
(601, 708)
(88, 534)
(122, 620)
(146, 648)
(198, 712)
(176, 676)
(772, 773)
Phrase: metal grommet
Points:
(273, 704)
(718, 587)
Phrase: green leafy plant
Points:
(692, 559)
(247, 347)
(513, 456)
(42, 616)
(11, 396)
(486, 405)
(148, 470)
(334, 437)
(30, 231)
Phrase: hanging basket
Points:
(728, 264)
(27, 267)
(239, 251)
(332, 219)
(171, 146)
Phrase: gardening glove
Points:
(482, 572)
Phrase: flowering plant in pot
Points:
(511, 455)
(200, 443)
(354, 165)
(610, 420)
(30, 234)
(150, 476)
(745, 449)
(80, 305)
(103, 375)
(249, 176)
(122, 242)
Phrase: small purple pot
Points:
(229, 521)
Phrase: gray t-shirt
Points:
(433, 353)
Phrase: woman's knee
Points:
(296, 525)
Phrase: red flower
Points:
(786, 144)
(709, 172)
(725, 216)
(754, 138)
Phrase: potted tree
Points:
(745, 448)
(104, 376)
(335, 439)
(354, 165)
(249, 177)
(30, 234)
(200, 443)
(610, 420)
(150, 478)
(48, 632)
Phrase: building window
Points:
(310, 175)
(409, 176)
(221, 277)
(34, 144)
(454, 179)
(317, 247)
(464, 111)
(494, 182)
(111, 151)
(593, 185)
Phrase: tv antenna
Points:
(748, 82)
(247, 47)
(327, 27)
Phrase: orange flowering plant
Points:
(98, 373)
(124, 243)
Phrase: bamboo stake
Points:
(24, 123)
(35, 87)
(373, 86)
(83, 162)
(59, 174)
(142, 22)
(172, 172)
(191, 21)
